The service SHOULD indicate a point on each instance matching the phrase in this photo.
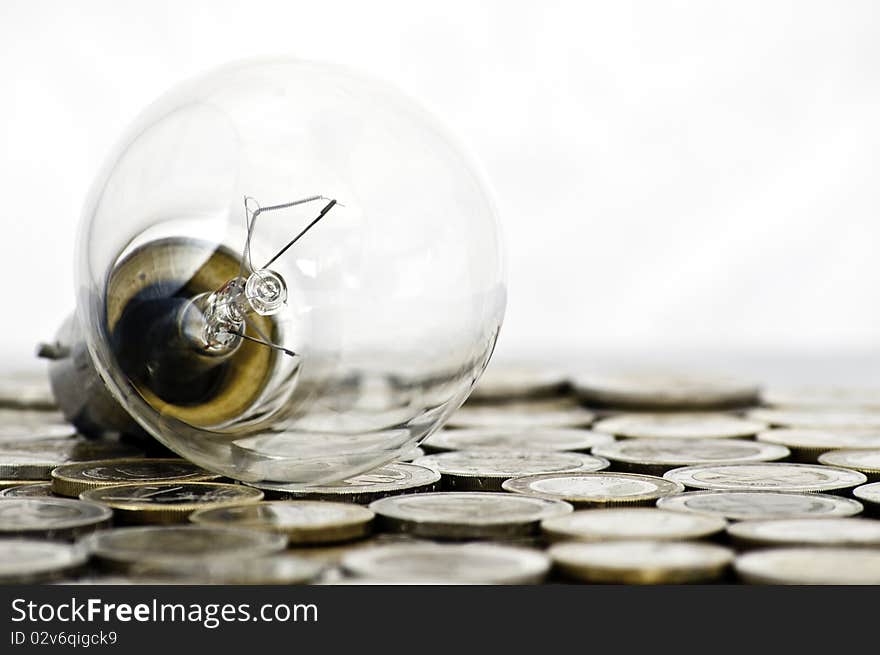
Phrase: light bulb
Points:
(286, 272)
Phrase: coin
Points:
(31, 490)
(766, 476)
(24, 425)
(176, 549)
(451, 563)
(26, 390)
(807, 445)
(817, 419)
(303, 521)
(595, 489)
(825, 397)
(26, 561)
(641, 562)
(807, 532)
(34, 460)
(466, 515)
(558, 439)
(679, 426)
(810, 566)
(517, 382)
(745, 505)
(653, 390)
(656, 456)
(72, 479)
(522, 415)
(486, 470)
(51, 518)
(869, 494)
(389, 480)
(168, 502)
(863, 461)
(268, 570)
(631, 523)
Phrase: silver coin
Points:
(641, 562)
(34, 460)
(450, 563)
(863, 461)
(32, 490)
(557, 439)
(30, 560)
(26, 390)
(818, 419)
(72, 479)
(522, 415)
(766, 476)
(595, 489)
(693, 425)
(168, 502)
(24, 425)
(389, 480)
(486, 470)
(656, 456)
(631, 523)
(514, 382)
(822, 397)
(268, 570)
(746, 505)
(51, 518)
(177, 550)
(652, 390)
(807, 532)
(870, 494)
(810, 566)
(303, 521)
(466, 515)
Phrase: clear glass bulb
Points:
(289, 272)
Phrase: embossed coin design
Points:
(168, 502)
(745, 505)
(389, 480)
(72, 479)
(466, 515)
(595, 489)
(557, 439)
(656, 456)
(303, 521)
(771, 476)
(486, 470)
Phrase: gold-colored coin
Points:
(72, 479)
(168, 502)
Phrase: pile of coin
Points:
(631, 479)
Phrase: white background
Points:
(672, 176)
